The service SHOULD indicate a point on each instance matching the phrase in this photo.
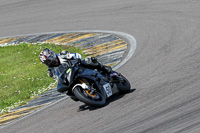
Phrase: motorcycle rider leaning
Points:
(50, 59)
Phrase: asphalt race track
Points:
(164, 71)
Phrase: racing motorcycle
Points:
(89, 86)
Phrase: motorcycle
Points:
(89, 86)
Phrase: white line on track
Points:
(132, 43)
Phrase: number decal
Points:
(108, 90)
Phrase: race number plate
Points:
(108, 90)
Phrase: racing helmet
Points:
(48, 57)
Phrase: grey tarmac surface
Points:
(164, 69)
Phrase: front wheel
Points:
(95, 99)
(123, 86)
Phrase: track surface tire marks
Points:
(164, 69)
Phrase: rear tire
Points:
(124, 87)
(80, 94)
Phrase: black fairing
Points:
(68, 75)
(89, 74)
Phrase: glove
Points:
(78, 60)
(50, 74)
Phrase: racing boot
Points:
(94, 59)
(95, 63)
(106, 69)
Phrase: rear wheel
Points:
(124, 86)
(93, 98)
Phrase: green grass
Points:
(22, 75)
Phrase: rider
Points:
(52, 60)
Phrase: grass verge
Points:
(22, 75)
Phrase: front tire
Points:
(92, 100)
